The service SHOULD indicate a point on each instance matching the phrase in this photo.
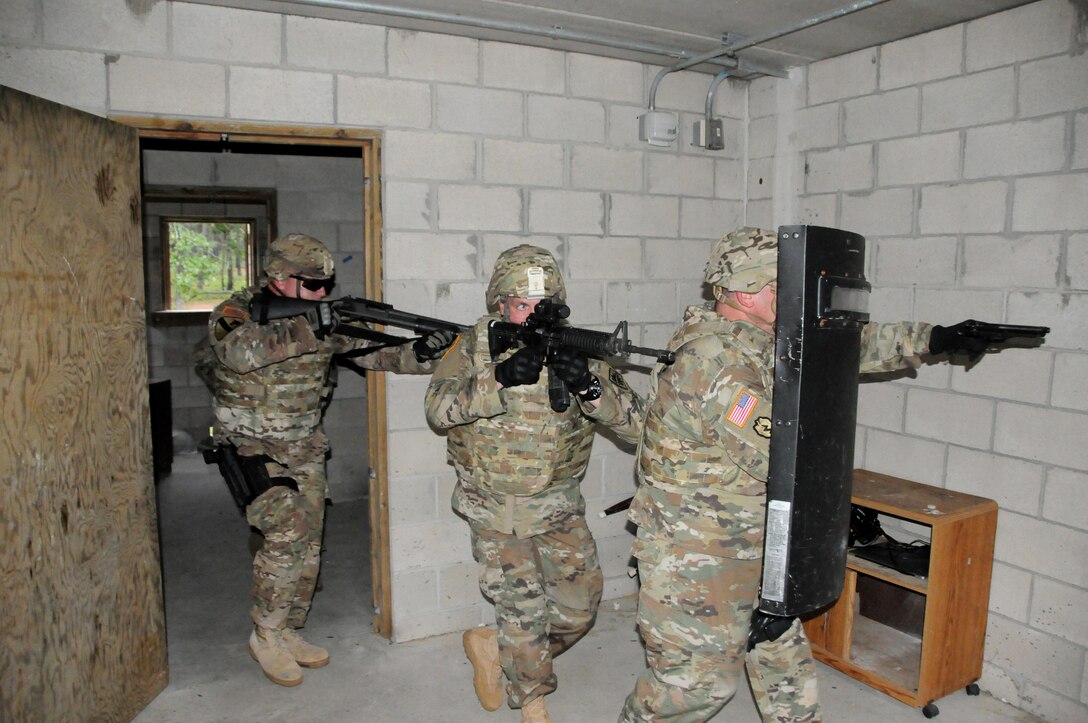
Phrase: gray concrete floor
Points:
(213, 678)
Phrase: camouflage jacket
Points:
(703, 456)
(519, 463)
(270, 380)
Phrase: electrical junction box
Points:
(657, 128)
(710, 136)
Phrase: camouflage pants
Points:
(285, 568)
(546, 589)
(694, 613)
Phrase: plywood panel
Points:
(82, 636)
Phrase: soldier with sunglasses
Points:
(270, 383)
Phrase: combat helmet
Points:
(297, 254)
(744, 260)
(526, 272)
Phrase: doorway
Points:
(320, 181)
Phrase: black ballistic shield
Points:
(822, 306)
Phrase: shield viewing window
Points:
(206, 260)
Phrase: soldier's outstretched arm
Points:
(461, 392)
(889, 347)
(619, 407)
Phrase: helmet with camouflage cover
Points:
(744, 260)
(297, 254)
(525, 272)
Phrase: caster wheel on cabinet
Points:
(972, 689)
(930, 711)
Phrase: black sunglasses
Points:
(316, 284)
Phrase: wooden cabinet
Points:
(870, 636)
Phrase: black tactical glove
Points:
(572, 366)
(322, 319)
(521, 368)
(955, 340)
(433, 345)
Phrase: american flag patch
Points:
(742, 409)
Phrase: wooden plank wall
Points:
(82, 633)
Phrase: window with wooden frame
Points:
(205, 260)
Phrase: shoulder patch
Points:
(743, 405)
(762, 426)
(617, 379)
(225, 325)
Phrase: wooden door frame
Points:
(369, 143)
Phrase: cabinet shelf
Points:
(956, 592)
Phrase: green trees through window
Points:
(208, 259)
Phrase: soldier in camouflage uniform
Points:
(701, 502)
(270, 382)
(519, 466)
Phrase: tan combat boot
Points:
(482, 649)
(267, 648)
(306, 654)
(535, 711)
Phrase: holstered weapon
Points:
(247, 477)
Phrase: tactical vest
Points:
(280, 401)
(527, 449)
(671, 448)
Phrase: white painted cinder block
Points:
(1076, 264)
(637, 215)
(430, 623)
(709, 219)
(566, 119)
(969, 100)
(461, 303)
(416, 592)
(1059, 609)
(1015, 484)
(925, 261)
(925, 57)
(104, 25)
(170, 87)
(648, 301)
(438, 156)
(459, 585)
(623, 126)
(923, 159)
(1046, 435)
(523, 163)
(412, 500)
(405, 398)
(431, 56)
(840, 169)
(809, 128)
(605, 78)
(1080, 141)
(880, 213)
(504, 65)
(62, 76)
(429, 544)
(1021, 375)
(1070, 382)
(566, 212)
(605, 169)
(679, 175)
(1010, 592)
(334, 45)
(379, 102)
(1015, 149)
(479, 208)
(760, 181)
(479, 110)
(881, 405)
(952, 418)
(208, 32)
(1065, 313)
(1027, 651)
(845, 76)
(416, 452)
(1031, 31)
(406, 205)
(921, 460)
(1034, 260)
(430, 256)
(592, 257)
(954, 305)
(886, 115)
(729, 179)
(281, 95)
(1051, 203)
(679, 259)
(18, 19)
(963, 208)
(1066, 498)
(1054, 85)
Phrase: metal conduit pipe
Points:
(554, 33)
(710, 94)
(730, 48)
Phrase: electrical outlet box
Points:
(710, 136)
(657, 128)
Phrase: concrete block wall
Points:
(485, 145)
(961, 156)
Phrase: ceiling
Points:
(663, 32)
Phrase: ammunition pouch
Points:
(247, 477)
(766, 627)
